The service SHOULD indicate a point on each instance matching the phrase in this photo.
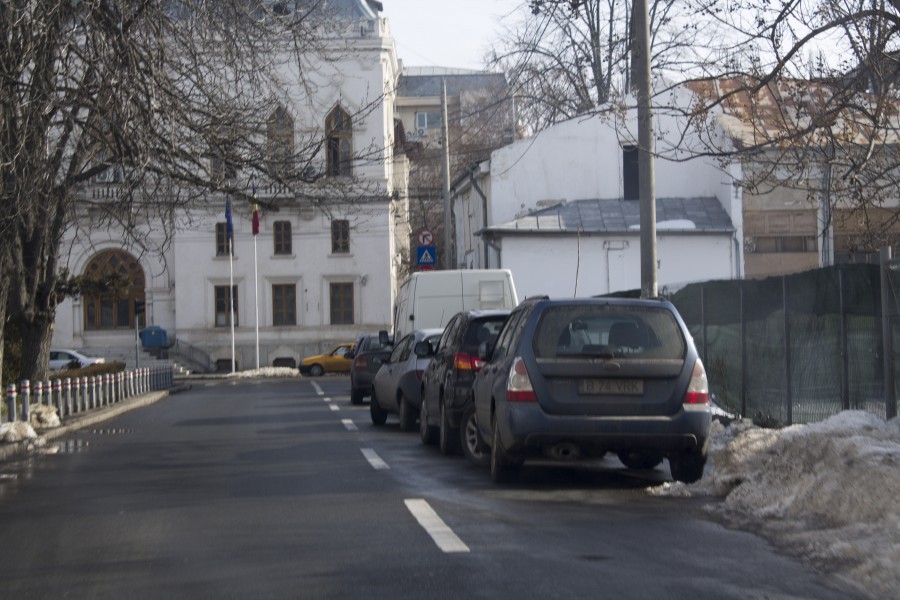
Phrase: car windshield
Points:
(608, 331)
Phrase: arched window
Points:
(339, 134)
(106, 312)
(280, 136)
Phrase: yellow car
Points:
(336, 361)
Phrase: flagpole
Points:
(231, 297)
(229, 233)
(256, 300)
(255, 229)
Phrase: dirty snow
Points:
(266, 372)
(17, 432)
(828, 492)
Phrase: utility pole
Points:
(646, 180)
(445, 144)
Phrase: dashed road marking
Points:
(334, 407)
(377, 463)
(326, 399)
(349, 424)
(442, 535)
(318, 389)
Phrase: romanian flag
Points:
(255, 218)
(229, 225)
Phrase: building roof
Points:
(754, 114)
(427, 82)
(683, 215)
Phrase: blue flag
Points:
(229, 226)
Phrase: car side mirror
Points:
(423, 349)
(485, 349)
(383, 338)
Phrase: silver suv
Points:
(582, 377)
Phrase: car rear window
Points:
(483, 329)
(608, 331)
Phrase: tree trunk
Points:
(37, 334)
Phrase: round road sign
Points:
(425, 237)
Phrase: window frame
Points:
(338, 143)
(282, 238)
(338, 312)
(340, 236)
(220, 296)
(284, 310)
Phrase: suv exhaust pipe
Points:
(563, 451)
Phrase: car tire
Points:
(356, 396)
(379, 415)
(427, 433)
(503, 467)
(407, 416)
(470, 440)
(316, 371)
(640, 461)
(448, 437)
(687, 466)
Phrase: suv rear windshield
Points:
(608, 331)
(484, 329)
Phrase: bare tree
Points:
(173, 97)
(571, 57)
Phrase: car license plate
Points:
(626, 387)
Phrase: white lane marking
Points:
(334, 407)
(326, 399)
(318, 389)
(442, 535)
(349, 424)
(377, 463)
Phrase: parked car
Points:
(70, 359)
(371, 350)
(580, 377)
(397, 387)
(337, 360)
(447, 383)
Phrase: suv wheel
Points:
(470, 440)
(449, 437)
(640, 461)
(407, 416)
(687, 466)
(379, 416)
(356, 395)
(426, 431)
(503, 467)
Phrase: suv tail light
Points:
(463, 361)
(518, 384)
(360, 362)
(698, 390)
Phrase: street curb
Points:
(80, 421)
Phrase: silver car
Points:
(70, 359)
(397, 387)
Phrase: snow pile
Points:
(16, 432)
(828, 491)
(42, 416)
(266, 372)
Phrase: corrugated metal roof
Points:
(620, 216)
(430, 84)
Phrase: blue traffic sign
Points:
(426, 255)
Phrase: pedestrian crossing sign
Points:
(426, 255)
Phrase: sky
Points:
(826, 492)
(444, 33)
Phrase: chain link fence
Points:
(799, 348)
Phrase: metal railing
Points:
(78, 395)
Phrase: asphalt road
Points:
(283, 489)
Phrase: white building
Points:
(560, 209)
(320, 270)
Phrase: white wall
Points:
(552, 265)
(582, 159)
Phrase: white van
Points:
(430, 298)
